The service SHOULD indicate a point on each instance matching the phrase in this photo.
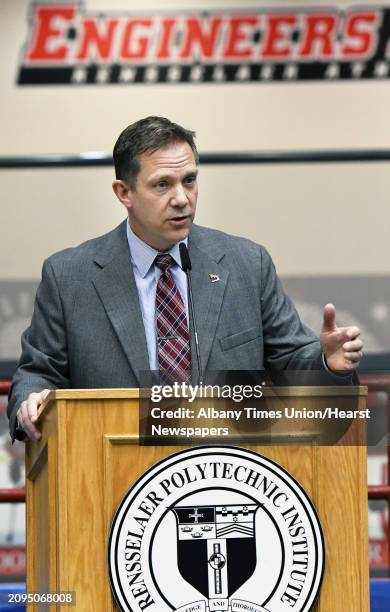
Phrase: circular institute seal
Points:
(216, 529)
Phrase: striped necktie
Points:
(173, 338)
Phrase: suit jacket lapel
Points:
(208, 295)
(114, 282)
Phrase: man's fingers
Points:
(341, 345)
(32, 406)
(21, 412)
(25, 422)
(353, 357)
(354, 345)
(28, 413)
(329, 320)
(343, 334)
(351, 365)
(353, 332)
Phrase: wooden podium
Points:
(89, 455)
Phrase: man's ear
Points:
(122, 192)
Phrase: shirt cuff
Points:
(335, 374)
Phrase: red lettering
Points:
(50, 25)
(133, 45)
(319, 36)
(361, 30)
(94, 43)
(240, 33)
(196, 38)
(278, 36)
(164, 49)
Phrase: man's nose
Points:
(179, 197)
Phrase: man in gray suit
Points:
(94, 321)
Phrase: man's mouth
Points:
(180, 219)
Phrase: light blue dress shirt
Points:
(146, 275)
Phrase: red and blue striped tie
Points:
(173, 338)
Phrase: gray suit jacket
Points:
(87, 329)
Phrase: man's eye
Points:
(190, 180)
(161, 185)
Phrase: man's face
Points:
(162, 206)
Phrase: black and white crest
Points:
(216, 530)
(211, 539)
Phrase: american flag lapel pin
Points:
(214, 278)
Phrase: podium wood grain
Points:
(89, 456)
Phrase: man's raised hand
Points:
(342, 346)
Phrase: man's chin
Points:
(174, 234)
(181, 232)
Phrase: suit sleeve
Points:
(44, 360)
(288, 343)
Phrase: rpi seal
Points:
(216, 529)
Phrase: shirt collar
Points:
(143, 255)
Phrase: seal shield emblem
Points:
(211, 542)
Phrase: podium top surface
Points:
(135, 393)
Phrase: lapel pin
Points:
(214, 278)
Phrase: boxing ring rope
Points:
(96, 159)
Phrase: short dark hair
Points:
(147, 135)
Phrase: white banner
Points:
(218, 605)
(238, 605)
(222, 605)
(195, 606)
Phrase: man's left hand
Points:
(342, 346)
